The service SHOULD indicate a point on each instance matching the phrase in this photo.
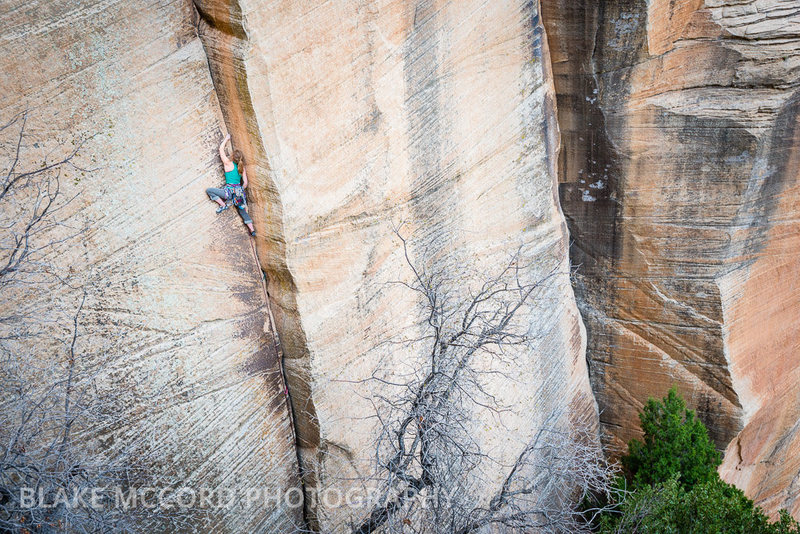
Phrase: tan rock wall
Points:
(174, 298)
(679, 180)
(361, 116)
(354, 118)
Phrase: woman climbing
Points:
(234, 184)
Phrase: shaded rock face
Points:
(174, 296)
(679, 179)
(359, 117)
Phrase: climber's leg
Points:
(246, 218)
(216, 194)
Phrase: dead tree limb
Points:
(429, 462)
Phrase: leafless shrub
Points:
(30, 198)
(430, 466)
(60, 467)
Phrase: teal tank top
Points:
(233, 177)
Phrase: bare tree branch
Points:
(53, 411)
(429, 464)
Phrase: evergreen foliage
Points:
(675, 443)
(675, 485)
(713, 507)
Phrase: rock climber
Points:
(235, 184)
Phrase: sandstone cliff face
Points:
(360, 116)
(174, 297)
(679, 178)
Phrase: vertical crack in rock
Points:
(221, 27)
(358, 116)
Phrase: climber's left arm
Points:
(223, 156)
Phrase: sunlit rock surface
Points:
(174, 297)
(679, 178)
(362, 116)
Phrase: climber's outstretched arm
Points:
(223, 156)
(244, 176)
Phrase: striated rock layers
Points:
(173, 293)
(362, 116)
(679, 178)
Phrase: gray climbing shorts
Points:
(215, 193)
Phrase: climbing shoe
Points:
(253, 233)
(222, 208)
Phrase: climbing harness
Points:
(235, 192)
